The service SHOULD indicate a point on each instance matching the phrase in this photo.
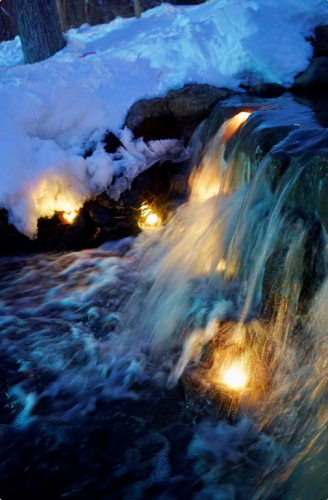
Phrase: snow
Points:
(51, 112)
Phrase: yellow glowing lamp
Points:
(148, 219)
(222, 265)
(152, 219)
(235, 378)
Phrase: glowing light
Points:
(234, 123)
(69, 216)
(148, 219)
(235, 378)
(145, 210)
(206, 181)
(222, 265)
(152, 219)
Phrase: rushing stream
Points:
(191, 361)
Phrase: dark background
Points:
(74, 13)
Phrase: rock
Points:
(151, 119)
(100, 215)
(267, 90)
(315, 77)
(80, 233)
(321, 42)
(10, 238)
(112, 143)
(176, 115)
(195, 101)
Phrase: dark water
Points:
(115, 362)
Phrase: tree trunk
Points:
(39, 28)
(61, 6)
(75, 13)
(137, 10)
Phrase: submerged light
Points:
(152, 219)
(148, 219)
(222, 265)
(235, 378)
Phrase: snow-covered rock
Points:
(315, 77)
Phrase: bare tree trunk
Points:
(76, 13)
(39, 28)
(137, 10)
(72, 13)
(61, 6)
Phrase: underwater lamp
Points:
(152, 219)
(69, 216)
(235, 378)
(148, 218)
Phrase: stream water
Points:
(191, 361)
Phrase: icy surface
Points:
(51, 110)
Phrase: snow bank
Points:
(52, 111)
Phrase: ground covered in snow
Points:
(53, 111)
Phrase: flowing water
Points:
(208, 335)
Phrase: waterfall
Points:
(225, 302)
(237, 279)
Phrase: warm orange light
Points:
(235, 378)
(152, 219)
(148, 219)
(69, 216)
(234, 123)
(206, 180)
